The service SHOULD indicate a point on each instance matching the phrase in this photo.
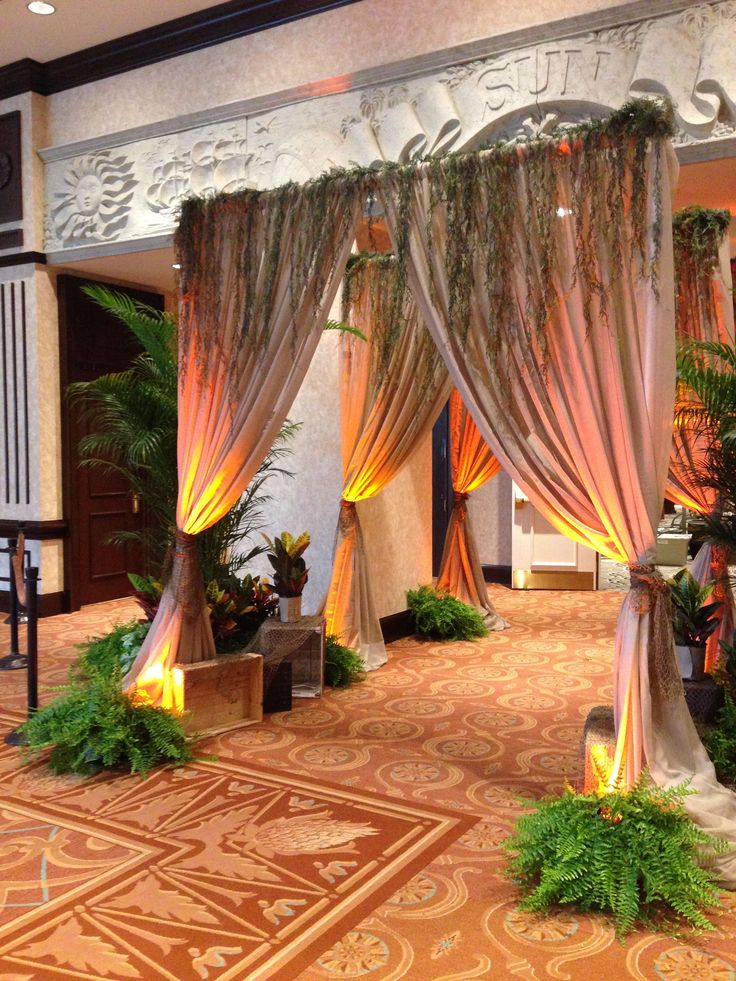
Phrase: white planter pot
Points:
(691, 662)
(290, 608)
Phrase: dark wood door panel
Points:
(98, 503)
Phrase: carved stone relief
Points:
(134, 191)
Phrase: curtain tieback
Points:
(348, 515)
(186, 577)
(459, 504)
(652, 595)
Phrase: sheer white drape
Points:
(472, 464)
(245, 343)
(387, 408)
(582, 422)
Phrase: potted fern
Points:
(290, 573)
(694, 621)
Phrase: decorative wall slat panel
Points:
(15, 483)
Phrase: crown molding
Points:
(215, 25)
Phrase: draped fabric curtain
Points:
(471, 465)
(545, 275)
(258, 273)
(392, 388)
(704, 312)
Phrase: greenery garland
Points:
(500, 206)
(259, 231)
(498, 202)
(698, 234)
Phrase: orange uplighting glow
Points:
(162, 686)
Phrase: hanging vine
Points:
(698, 234)
(493, 222)
(370, 284)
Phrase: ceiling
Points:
(79, 24)
(711, 184)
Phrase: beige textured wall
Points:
(335, 43)
(397, 524)
(397, 529)
(490, 509)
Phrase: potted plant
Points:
(694, 622)
(290, 572)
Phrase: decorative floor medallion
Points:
(212, 871)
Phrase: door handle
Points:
(136, 504)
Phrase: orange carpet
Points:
(462, 729)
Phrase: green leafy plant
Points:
(441, 616)
(95, 726)
(634, 855)
(115, 649)
(237, 607)
(707, 411)
(290, 571)
(694, 617)
(343, 665)
(720, 740)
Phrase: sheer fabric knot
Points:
(459, 504)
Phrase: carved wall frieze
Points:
(134, 190)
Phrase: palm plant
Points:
(694, 617)
(133, 416)
(707, 373)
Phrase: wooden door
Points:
(543, 558)
(96, 504)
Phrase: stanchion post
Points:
(31, 578)
(15, 737)
(14, 660)
(14, 610)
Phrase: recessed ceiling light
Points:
(41, 7)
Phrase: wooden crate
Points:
(224, 693)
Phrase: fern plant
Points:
(119, 648)
(96, 726)
(720, 740)
(441, 616)
(343, 665)
(632, 854)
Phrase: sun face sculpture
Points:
(95, 204)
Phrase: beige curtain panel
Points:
(258, 273)
(471, 465)
(393, 386)
(556, 321)
(704, 313)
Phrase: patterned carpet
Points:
(461, 729)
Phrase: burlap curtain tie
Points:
(186, 578)
(652, 596)
(459, 504)
(348, 516)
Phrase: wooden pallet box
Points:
(224, 693)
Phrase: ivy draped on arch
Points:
(557, 331)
